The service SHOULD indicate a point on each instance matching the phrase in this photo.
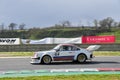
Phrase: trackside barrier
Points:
(41, 47)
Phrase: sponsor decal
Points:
(9, 41)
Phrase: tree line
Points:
(12, 26)
(63, 29)
(104, 24)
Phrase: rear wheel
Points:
(81, 58)
(46, 59)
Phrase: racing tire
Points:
(81, 58)
(46, 59)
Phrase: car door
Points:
(65, 53)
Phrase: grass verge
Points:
(96, 53)
(72, 77)
(13, 54)
(106, 53)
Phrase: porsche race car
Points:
(64, 52)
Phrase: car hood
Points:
(42, 52)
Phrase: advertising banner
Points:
(9, 41)
(98, 39)
(53, 41)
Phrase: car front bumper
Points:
(35, 60)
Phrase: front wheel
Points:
(46, 59)
(81, 58)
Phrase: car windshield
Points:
(57, 47)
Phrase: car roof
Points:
(66, 44)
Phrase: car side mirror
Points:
(57, 50)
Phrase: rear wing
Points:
(93, 47)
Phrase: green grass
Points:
(106, 53)
(96, 53)
(115, 32)
(72, 77)
(12, 54)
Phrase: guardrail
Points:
(40, 47)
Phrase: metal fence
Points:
(41, 47)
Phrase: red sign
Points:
(98, 39)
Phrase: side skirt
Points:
(63, 58)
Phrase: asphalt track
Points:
(16, 64)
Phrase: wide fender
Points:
(46, 54)
(75, 57)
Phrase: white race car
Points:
(64, 52)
